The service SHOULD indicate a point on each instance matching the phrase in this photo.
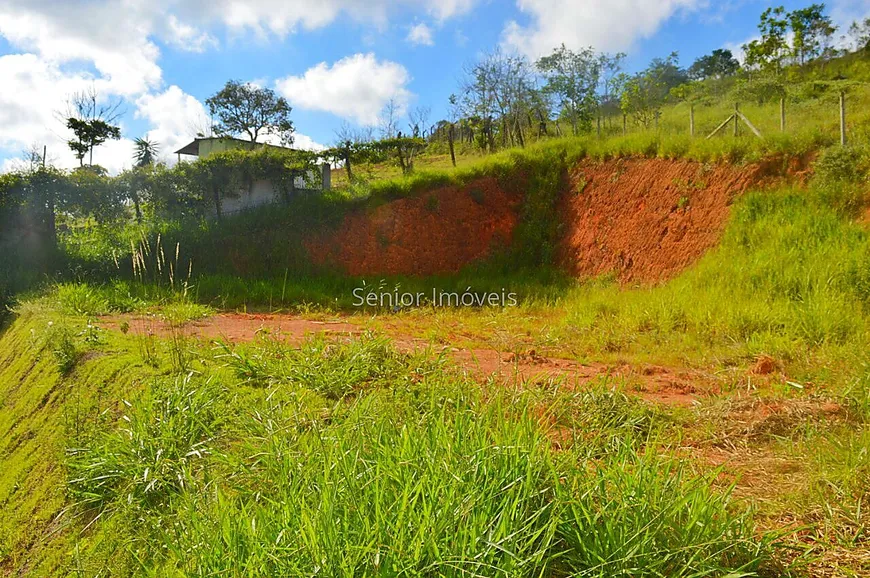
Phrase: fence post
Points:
(843, 118)
(782, 114)
(624, 116)
(599, 126)
(736, 117)
(691, 119)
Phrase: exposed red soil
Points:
(646, 219)
(438, 232)
(654, 383)
(234, 327)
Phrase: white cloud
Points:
(31, 105)
(176, 118)
(186, 37)
(65, 46)
(300, 142)
(281, 17)
(420, 34)
(355, 88)
(608, 25)
(115, 39)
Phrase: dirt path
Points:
(655, 383)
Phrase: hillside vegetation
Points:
(714, 422)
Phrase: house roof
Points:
(193, 147)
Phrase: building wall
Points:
(210, 146)
(261, 193)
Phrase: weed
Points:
(157, 454)
(61, 340)
(477, 195)
(432, 204)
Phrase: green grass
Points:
(408, 468)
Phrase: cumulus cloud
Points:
(356, 88)
(32, 101)
(300, 142)
(117, 44)
(608, 25)
(65, 46)
(420, 34)
(186, 37)
(176, 118)
(280, 17)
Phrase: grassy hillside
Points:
(125, 456)
(149, 453)
(156, 454)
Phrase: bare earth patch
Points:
(654, 383)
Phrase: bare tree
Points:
(419, 121)
(390, 119)
(496, 94)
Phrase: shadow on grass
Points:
(472, 288)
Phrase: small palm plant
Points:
(146, 152)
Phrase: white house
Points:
(261, 192)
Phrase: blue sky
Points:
(337, 61)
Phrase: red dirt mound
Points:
(646, 219)
(437, 232)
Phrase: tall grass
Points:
(418, 473)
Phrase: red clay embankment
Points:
(646, 220)
(643, 220)
(440, 231)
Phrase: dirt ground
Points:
(655, 383)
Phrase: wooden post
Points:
(736, 117)
(691, 120)
(599, 126)
(623, 124)
(843, 118)
(450, 138)
(44, 153)
(782, 114)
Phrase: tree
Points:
(89, 134)
(419, 121)
(390, 119)
(92, 121)
(243, 108)
(770, 51)
(859, 31)
(811, 32)
(645, 93)
(718, 64)
(572, 78)
(497, 92)
(612, 80)
(146, 152)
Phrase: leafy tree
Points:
(146, 152)
(770, 51)
(92, 121)
(612, 79)
(859, 31)
(246, 109)
(718, 64)
(811, 31)
(645, 93)
(497, 92)
(572, 78)
(88, 135)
